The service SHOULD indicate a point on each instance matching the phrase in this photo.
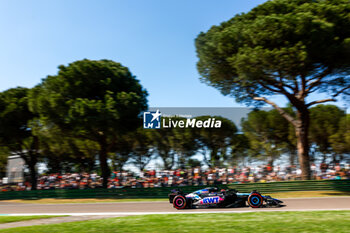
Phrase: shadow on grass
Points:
(339, 193)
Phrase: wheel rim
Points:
(255, 200)
(179, 202)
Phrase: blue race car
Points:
(212, 197)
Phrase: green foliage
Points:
(193, 163)
(278, 42)
(135, 147)
(340, 141)
(269, 134)
(4, 153)
(14, 118)
(16, 133)
(324, 123)
(257, 129)
(162, 142)
(93, 100)
(216, 140)
(180, 144)
(285, 47)
(184, 144)
(65, 153)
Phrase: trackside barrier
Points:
(286, 186)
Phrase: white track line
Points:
(180, 212)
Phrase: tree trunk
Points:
(33, 176)
(142, 166)
(31, 159)
(270, 161)
(335, 160)
(292, 156)
(214, 157)
(168, 159)
(204, 153)
(91, 166)
(181, 160)
(167, 166)
(303, 143)
(114, 166)
(105, 170)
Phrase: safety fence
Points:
(312, 185)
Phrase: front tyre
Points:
(255, 200)
(179, 202)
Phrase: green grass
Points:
(316, 221)
(7, 219)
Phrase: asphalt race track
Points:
(137, 208)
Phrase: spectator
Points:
(181, 177)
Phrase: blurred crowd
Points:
(183, 177)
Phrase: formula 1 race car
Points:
(212, 197)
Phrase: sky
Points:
(154, 38)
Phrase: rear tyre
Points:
(179, 202)
(255, 200)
